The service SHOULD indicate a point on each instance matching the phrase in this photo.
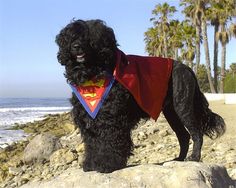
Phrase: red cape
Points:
(146, 78)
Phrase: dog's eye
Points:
(75, 46)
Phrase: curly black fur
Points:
(87, 49)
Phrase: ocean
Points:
(23, 110)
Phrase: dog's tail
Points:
(212, 124)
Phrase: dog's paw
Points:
(85, 169)
(193, 158)
(178, 159)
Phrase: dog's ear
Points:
(70, 32)
(62, 55)
(102, 38)
(66, 37)
(62, 40)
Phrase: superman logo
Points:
(92, 93)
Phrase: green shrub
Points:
(230, 83)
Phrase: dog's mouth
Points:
(80, 57)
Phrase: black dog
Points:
(88, 49)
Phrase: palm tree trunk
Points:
(222, 72)
(198, 32)
(207, 55)
(215, 60)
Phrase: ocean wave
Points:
(24, 110)
(8, 122)
(21, 115)
(9, 136)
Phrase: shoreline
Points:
(24, 132)
(11, 156)
(32, 128)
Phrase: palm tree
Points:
(206, 48)
(189, 41)
(154, 41)
(193, 10)
(213, 16)
(162, 12)
(196, 11)
(150, 38)
(176, 38)
(225, 10)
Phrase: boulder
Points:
(171, 174)
(40, 148)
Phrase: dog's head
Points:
(87, 49)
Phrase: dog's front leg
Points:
(107, 149)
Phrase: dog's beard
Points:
(79, 74)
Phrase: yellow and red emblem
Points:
(92, 93)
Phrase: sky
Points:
(28, 63)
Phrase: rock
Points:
(57, 124)
(24, 179)
(14, 171)
(70, 127)
(3, 173)
(71, 140)
(171, 174)
(152, 130)
(164, 133)
(40, 148)
(232, 173)
(80, 148)
(142, 136)
(62, 157)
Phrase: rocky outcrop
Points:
(20, 164)
(154, 143)
(40, 148)
(57, 124)
(171, 174)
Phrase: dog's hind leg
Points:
(184, 85)
(179, 129)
